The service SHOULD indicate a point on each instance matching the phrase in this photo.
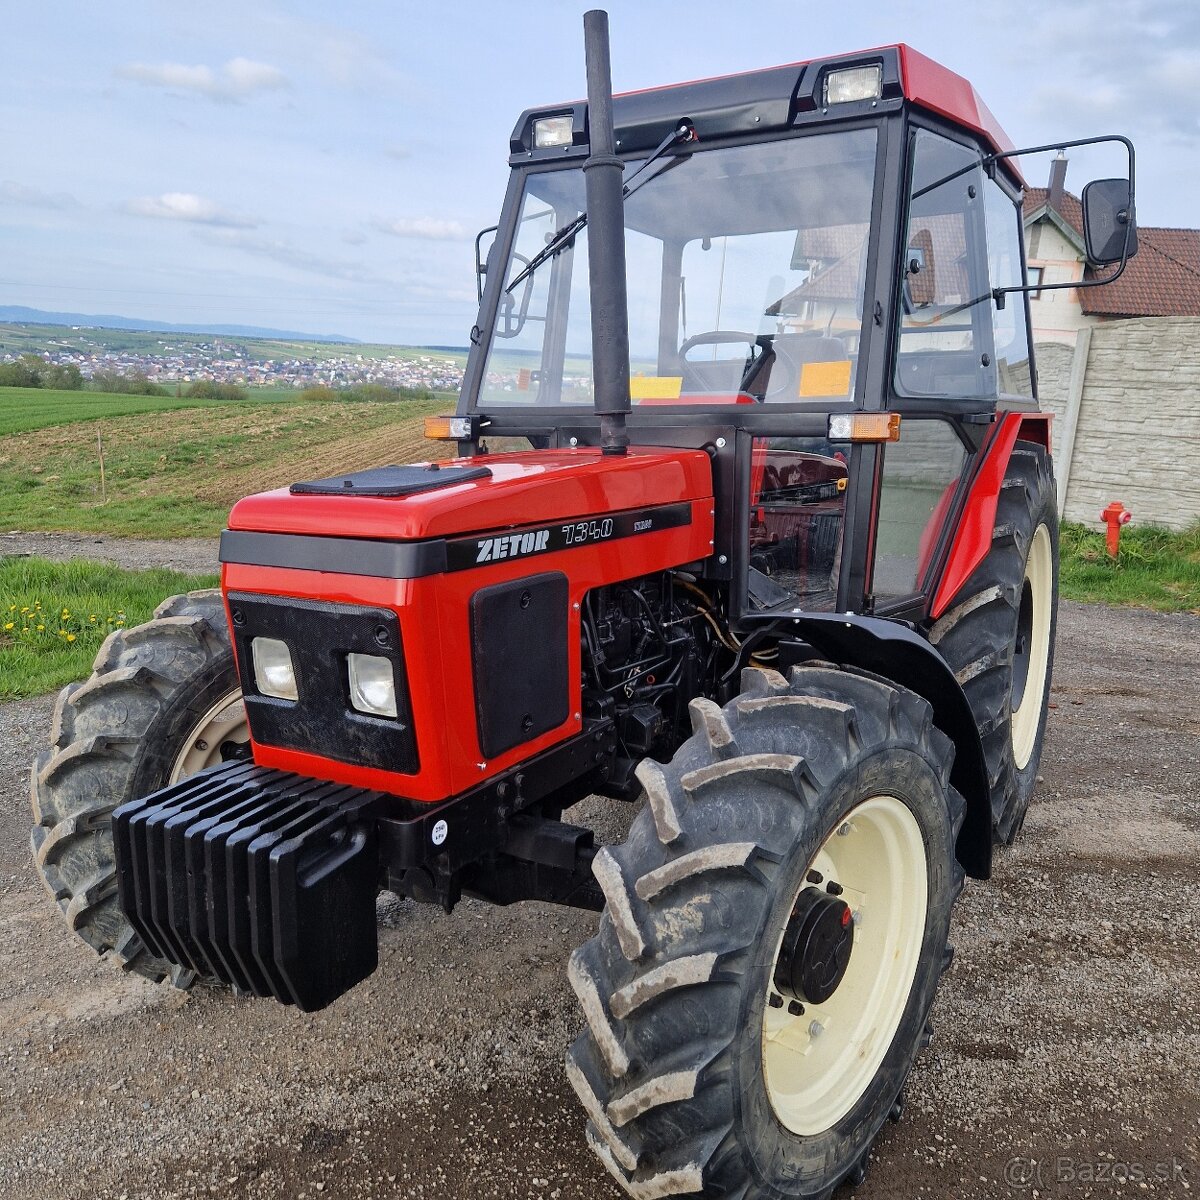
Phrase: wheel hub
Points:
(816, 947)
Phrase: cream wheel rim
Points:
(224, 722)
(1036, 592)
(818, 1063)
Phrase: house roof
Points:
(1162, 280)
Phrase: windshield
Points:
(745, 271)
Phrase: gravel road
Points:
(1068, 1032)
(191, 555)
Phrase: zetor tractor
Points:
(752, 524)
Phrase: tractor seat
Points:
(791, 351)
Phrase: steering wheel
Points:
(722, 337)
(717, 337)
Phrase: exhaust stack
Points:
(606, 244)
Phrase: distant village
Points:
(225, 361)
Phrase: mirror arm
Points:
(480, 265)
(999, 293)
(1000, 155)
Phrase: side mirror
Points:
(920, 269)
(1109, 226)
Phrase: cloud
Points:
(237, 79)
(341, 56)
(14, 193)
(429, 229)
(1128, 63)
(288, 255)
(186, 206)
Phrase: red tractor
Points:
(775, 558)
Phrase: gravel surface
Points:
(191, 555)
(1068, 1031)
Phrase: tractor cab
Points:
(813, 254)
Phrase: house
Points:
(1162, 281)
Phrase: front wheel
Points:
(163, 702)
(774, 934)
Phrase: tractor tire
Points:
(696, 1074)
(998, 635)
(163, 702)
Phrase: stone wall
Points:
(1137, 431)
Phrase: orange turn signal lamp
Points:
(864, 427)
(451, 429)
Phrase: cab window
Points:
(945, 303)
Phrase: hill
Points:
(19, 314)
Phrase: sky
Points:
(324, 168)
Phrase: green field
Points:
(23, 409)
(175, 470)
(54, 616)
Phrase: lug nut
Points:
(816, 1029)
(834, 889)
(815, 877)
(796, 1009)
(775, 1001)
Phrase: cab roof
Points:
(770, 99)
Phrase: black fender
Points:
(896, 652)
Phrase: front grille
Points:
(321, 721)
(260, 878)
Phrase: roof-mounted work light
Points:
(854, 83)
(549, 132)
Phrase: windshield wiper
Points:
(683, 132)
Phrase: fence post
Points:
(1066, 445)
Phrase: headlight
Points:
(854, 83)
(549, 132)
(273, 670)
(372, 684)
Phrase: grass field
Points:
(175, 471)
(23, 409)
(1156, 569)
(54, 616)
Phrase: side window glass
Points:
(797, 502)
(945, 299)
(1004, 270)
(920, 478)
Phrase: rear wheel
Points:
(774, 935)
(163, 702)
(998, 635)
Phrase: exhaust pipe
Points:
(606, 244)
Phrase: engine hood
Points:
(518, 489)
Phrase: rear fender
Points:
(973, 538)
(897, 653)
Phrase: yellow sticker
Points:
(825, 378)
(655, 387)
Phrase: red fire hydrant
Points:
(1114, 516)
